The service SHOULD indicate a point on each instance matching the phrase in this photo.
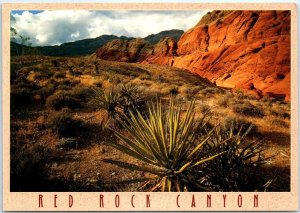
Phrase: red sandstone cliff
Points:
(235, 49)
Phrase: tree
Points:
(26, 48)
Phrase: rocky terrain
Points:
(67, 113)
(248, 50)
(86, 46)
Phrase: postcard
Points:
(150, 107)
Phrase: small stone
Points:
(113, 173)
(93, 180)
(54, 165)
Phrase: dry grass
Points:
(40, 79)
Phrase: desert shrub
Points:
(84, 93)
(64, 87)
(29, 168)
(205, 108)
(41, 74)
(240, 94)
(174, 91)
(55, 63)
(61, 100)
(210, 91)
(280, 123)
(280, 114)
(166, 145)
(46, 91)
(68, 82)
(71, 97)
(267, 101)
(59, 75)
(65, 124)
(114, 79)
(68, 143)
(249, 109)
(224, 102)
(22, 93)
(239, 168)
(145, 76)
(194, 90)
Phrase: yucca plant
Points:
(239, 168)
(107, 100)
(167, 146)
(131, 101)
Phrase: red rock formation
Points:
(249, 50)
(245, 48)
(135, 50)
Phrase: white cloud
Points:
(59, 26)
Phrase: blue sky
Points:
(21, 11)
(60, 26)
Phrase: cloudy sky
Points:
(59, 26)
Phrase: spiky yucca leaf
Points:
(237, 169)
(165, 144)
(108, 100)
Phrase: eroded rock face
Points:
(134, 50)
(249, 50)
(137, 50)
(245, 48)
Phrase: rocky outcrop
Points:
(138, 50)
(249, 50)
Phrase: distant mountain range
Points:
(86, 46)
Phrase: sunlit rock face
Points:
(249, 50)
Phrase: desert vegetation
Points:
(85, 124)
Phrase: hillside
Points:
(85, 46)
(58, 129)
(155, 38)
(248, 50)
(76, 48)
